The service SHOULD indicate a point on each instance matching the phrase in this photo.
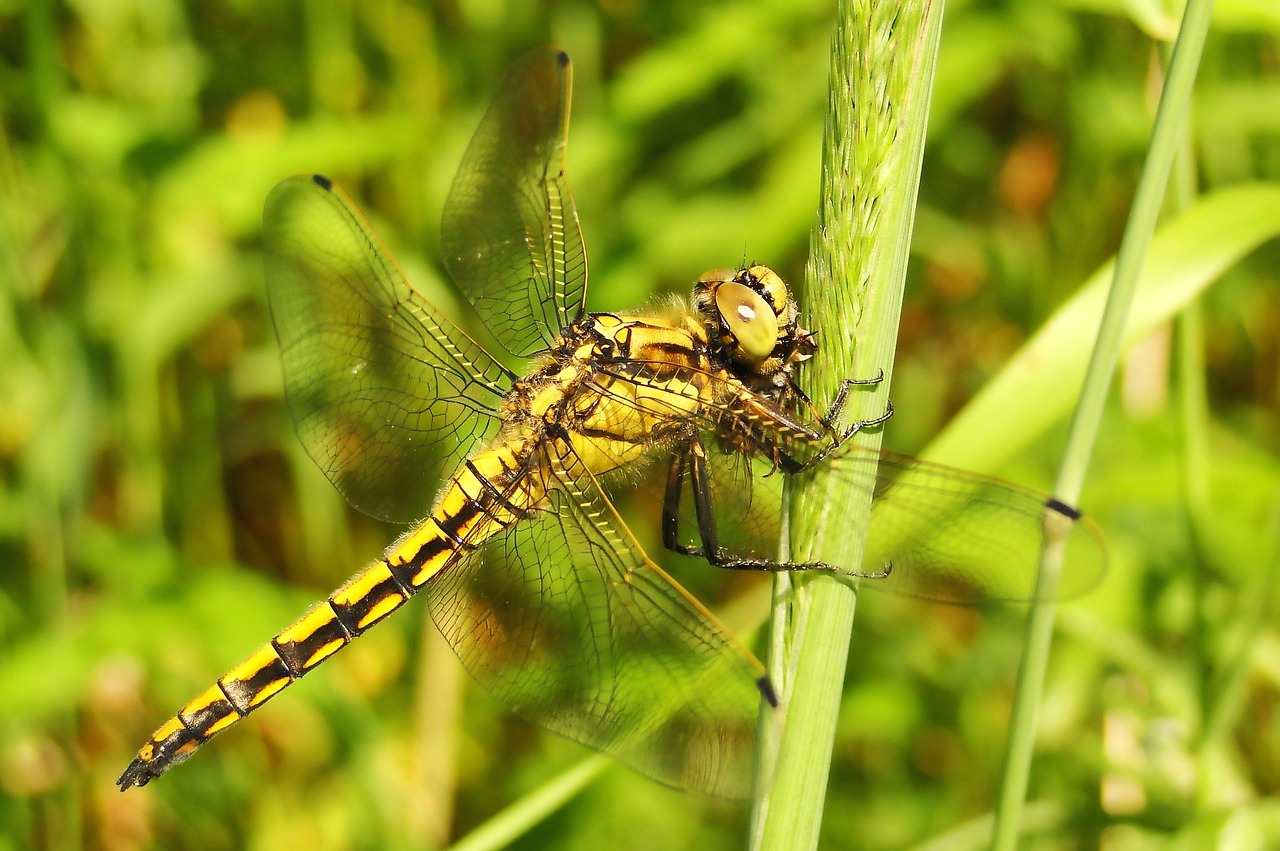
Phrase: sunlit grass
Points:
(158, 520)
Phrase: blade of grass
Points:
(1192, 399)
(438, 705)
(516, 820)
(1171, 116)
(1188, 255)
(1043, 817)
(882, 63)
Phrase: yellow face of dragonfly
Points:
(507, 480)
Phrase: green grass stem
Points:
(516, 820)
(882, 62)
(1171, 115)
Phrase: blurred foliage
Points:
(158, 520)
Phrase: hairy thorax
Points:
(613, 387)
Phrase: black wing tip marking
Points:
(766, 690)
(137, 774)
(323, 182)
(562, 58)
(1062, 508)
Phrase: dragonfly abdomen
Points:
(485, 497)
(329, 626)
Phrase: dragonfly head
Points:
(751, 317)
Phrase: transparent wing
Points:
(510, 236)
(940, 533)
(958, 537)
(565, 621)
(384, 390)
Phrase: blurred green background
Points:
(158, 519)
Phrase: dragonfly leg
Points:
(693, 462)
(842, 396)
(671, 508)
(844, 436)
(858, 426)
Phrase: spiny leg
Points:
(842, 396)
(842, 438)
(694, 458)
(671, 507)
(828, 420)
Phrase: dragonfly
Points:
(509, 480)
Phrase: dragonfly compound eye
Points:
(749, 318)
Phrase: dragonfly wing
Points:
(566, 621)
(384, 390)
(936, 533)
(510, 236)
(939, 533)
(954, 536)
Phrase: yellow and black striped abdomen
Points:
(487, 495)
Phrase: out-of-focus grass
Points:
(157, 519)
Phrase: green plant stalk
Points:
(973, 835)
(883, 58)
(516, 820)
(1166, 138)
(1260, 599)
(1193, 415)
(1193, 410)
(43, 463)
(1223, 676)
